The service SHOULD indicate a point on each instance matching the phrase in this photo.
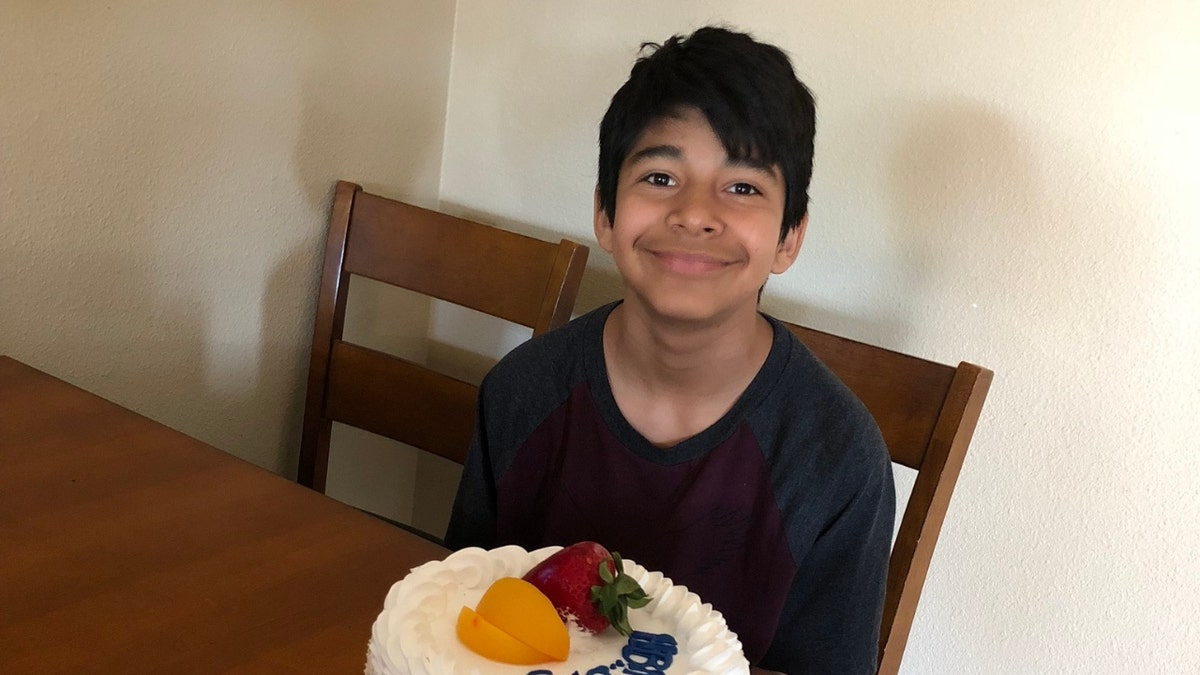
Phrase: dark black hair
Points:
(746, 90)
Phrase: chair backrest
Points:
(927, 413)
(521, 279)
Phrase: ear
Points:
(601, 224)
(789, 248)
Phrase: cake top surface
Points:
(415, 632)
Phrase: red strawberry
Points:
(588, 585)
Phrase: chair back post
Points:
(926, 509)
(327, 326)
(562, 287)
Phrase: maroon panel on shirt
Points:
(710, 523)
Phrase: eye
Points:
(743, 189)
(660, 180)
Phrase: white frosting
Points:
(415, 632)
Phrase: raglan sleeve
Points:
(473, 517)
(830, 621)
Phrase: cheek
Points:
(620, 244)
(630, 223)
(629, 212)
(765, 245)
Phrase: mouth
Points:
(690, 263)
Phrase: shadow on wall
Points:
(601, 284)
(356, 127)
(380, 133)
(104, 327)
(855, 327)
(958, 165)
(285, 344)
(1021, 278)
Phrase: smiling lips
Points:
(689, 263)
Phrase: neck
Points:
(686, 358)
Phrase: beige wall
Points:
(165, 174)
(1010, 183)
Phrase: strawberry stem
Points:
(618, 594)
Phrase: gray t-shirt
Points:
(780, 514)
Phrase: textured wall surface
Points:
(1010, 183)
(165, 175)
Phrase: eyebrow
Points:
(655, 151)
(674, 152)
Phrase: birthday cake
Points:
(429, 618)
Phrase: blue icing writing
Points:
(649, 653)
(644, 654)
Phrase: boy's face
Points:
(694, 234)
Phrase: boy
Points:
(679, 426)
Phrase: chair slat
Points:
(399, 399)
(438, 253)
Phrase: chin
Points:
(686, 310)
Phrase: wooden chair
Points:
(927, 412)
(524, 280)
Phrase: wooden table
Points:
(127, 547)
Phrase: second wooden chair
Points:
(927, 412)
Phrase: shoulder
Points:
(809, 391)
(810, 421)
(539, 373)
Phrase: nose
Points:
(696, 211)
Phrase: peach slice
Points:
(514, 623)
(481, 637)
(518, 608)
